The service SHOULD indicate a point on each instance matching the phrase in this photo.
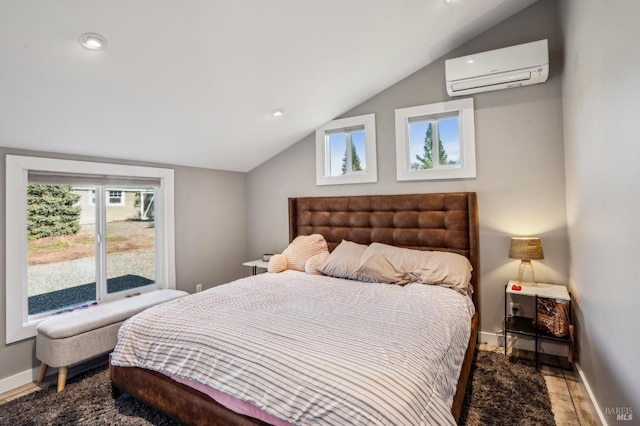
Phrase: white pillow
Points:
(311, 265)
(397, 265)
(344, 260)
(302, 248)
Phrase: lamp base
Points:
(525, 272)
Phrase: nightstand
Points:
(524, 325)
(255, 264)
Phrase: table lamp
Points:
(526, 249)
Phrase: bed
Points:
(446, 222)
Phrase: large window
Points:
(81, 233)
(436, 141)
(346, 151)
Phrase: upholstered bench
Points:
(66, 339)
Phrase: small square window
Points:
(115, 198)
(346, 151)
(436, 141)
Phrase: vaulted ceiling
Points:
(194, 82)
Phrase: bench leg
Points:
(42, 372)
(62, 378)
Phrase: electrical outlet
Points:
(515, 309)
(198, 288)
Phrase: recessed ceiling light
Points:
(92, 41)
(469, 61)
(277, 112)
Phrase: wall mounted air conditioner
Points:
(505, 68)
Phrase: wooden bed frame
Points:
(440, 221)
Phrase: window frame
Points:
(463, 108)
(366, 122)
(18, 324)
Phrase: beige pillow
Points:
(344, 260)
(397, 265)
(277, 263)
(311, 265)
(302, 248)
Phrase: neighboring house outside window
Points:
(114, 197)
(122, 203)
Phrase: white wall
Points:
(520, 163)
(601, 106)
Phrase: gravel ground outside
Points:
(61, 275)
(57, 272)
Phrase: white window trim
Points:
(122, 197)
(368, 121)
(467, 168)
(19, 326)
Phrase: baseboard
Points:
(490, 338)
(592, 397)
(23, 378)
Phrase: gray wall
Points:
(520, 163)
(601, 106)
(210, 230)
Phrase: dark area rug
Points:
(505, 391)
(501, 392)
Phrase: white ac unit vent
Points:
(504, 68)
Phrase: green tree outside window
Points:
(426, 160)
(355, 161)
(52, 210)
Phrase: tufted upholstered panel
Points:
(439, 221)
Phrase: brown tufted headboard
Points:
(440, 221)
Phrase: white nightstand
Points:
(255, 264)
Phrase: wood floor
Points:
(570, 402)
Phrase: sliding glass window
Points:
(84, 238)
(89, 239)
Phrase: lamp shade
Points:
(526, 249)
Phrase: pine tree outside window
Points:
(345, 151)
(423, 156)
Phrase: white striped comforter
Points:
(312, 349)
